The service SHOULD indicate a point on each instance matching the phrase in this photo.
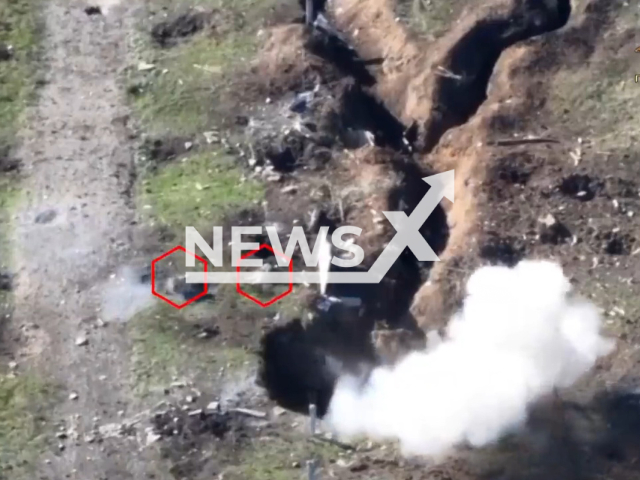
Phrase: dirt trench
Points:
(72, 230)
(451, 99)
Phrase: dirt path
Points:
(72, 230)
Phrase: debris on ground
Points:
(553, 232)
(145, 67)
(6, 52)
(162, 150)
(176, 422)
(249, 412)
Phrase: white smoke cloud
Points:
(518, 336)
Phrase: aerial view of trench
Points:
(454, 99)
(488, 148)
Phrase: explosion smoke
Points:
(518, 336)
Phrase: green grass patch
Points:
(202, 188)
(190, 88)
(281, 458)
(601, 103)
(185, 93)
(166, 347)
(600, 100)
(166, 344)
(19, 26)
(22, 401)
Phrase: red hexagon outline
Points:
(153, 277)
(251, 297)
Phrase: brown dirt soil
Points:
(502, 192)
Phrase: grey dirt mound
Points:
(71, 232)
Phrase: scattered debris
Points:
(6, 52)
(145, 67)
(211, 137)
(443, 72)
(112, 430)
(332, 441)
(205, 332)
(177, 422)
(279, 411)
(152, 437)
(303, 100)
(521, 141)
(249, 412)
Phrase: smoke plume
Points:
(519, 335)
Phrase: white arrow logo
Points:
(407, 235)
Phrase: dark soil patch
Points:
(513, 169)
(187, 436)
(502, 250)
(6, 281)
(361, 110)
(329, 46)
(300, 364)
(617, 243)
(581, 186)
(473, 58)
(555, 234)
(185, 424)
(8, 165)
(93, 10)
(168, 33)
(163, 150)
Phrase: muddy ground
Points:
(153, 116)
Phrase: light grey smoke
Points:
(518, 336)
(124, 295)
